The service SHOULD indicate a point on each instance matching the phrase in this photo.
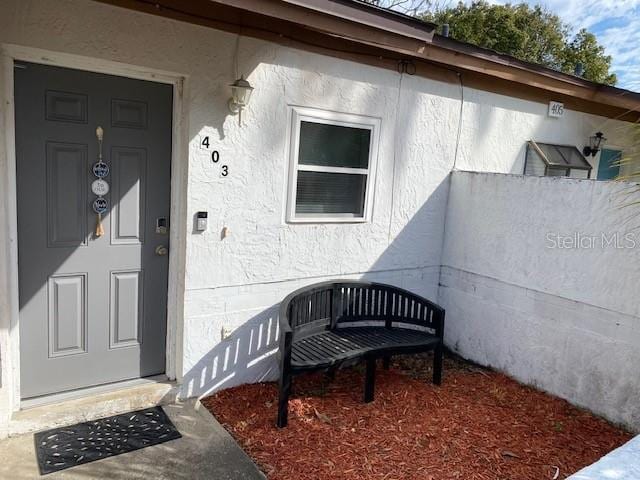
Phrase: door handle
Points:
(161, 250)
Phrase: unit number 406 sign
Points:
(556, 109)
(215, 156)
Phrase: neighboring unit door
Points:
(92, 308)
(608, 168)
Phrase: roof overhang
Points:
(367, 34)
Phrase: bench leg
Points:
(386, 362)
(437, 364)
(370, 380)
(283, 400)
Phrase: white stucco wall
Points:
(496, 127)
(519, 299)
(237, 282)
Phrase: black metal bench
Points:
(336, 324)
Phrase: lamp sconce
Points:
(595, 142)
(240, 95)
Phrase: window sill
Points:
(322, 220)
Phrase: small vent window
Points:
(546, 159)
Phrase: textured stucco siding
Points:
(236, 282)
(495, 129)
(563, 319)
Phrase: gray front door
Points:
(92, 308)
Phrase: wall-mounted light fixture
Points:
(595, 142)
(240, 95)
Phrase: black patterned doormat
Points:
(66, 447)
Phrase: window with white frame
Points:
(332, 167)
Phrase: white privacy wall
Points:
(235, 283)
(540, 279)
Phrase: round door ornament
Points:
(100, 169)
(99, 187)
(100, 205)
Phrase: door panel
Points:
(129, 167)
(608, 169)
(92, 308)
(126, 308)
(66, 107)
(67, 299)
(128, 113)
(66, 194)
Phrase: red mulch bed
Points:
(479, 424)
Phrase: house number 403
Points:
(215, 156)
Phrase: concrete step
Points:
(95, 403)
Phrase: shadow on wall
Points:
(249, 353)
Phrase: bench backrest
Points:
(335, 304)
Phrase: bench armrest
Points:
(283, 319)
(433, 318)
(286, 338)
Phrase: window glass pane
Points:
(535, 165)
(552, 154)
(334, 145)
(575, 173)
(563, 155)
(573, 157)
(557, 172)
(330, 193)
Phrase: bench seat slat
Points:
(338, 345)
(310, 349)
(321, 348)
(303, 352)
(326, 346)
(331, 346)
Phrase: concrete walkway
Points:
(205, 451)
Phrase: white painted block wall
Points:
(562, 319)
(237, 282)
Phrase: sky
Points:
(616, 24)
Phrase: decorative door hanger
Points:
(100, 187)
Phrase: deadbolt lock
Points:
(162, 227)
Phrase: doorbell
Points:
(201, 221)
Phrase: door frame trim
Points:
(179, 179)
